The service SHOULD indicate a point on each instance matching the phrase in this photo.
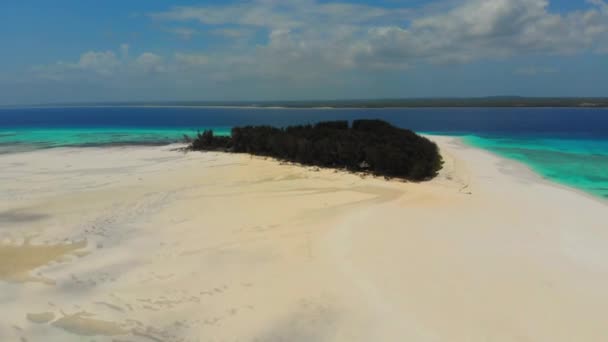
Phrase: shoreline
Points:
(150, 244)
(529, 172)
(528, 169)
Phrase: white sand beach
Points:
(151, 244)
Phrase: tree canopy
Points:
(372, 146)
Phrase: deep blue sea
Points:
(566, 145)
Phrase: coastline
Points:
(223, 246)
(527, 171)
(602, 107)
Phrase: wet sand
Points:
(150, 244)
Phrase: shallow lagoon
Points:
(566, 145)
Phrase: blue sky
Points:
(79, 51)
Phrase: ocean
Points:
(565, 145)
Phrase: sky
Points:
(224, 50)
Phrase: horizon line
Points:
(485, 101)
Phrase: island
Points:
(371, 146)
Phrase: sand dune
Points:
(151, 244)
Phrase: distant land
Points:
(493, 101)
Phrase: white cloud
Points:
(93, 64)
(308, 43)
(103, 63)
(361, 36)
(481, 29)
(283, 14)
(150, 63)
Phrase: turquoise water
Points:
(23, 139)
(565, 145)
(578, 163)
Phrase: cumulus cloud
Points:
(480, 29)
(150, 63)
(105, 64)
(283, 14)
(98, 63)
(311, 42)
(361, 36)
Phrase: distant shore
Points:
(489, 102)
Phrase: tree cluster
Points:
(372, 146)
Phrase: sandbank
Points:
(153, 244)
